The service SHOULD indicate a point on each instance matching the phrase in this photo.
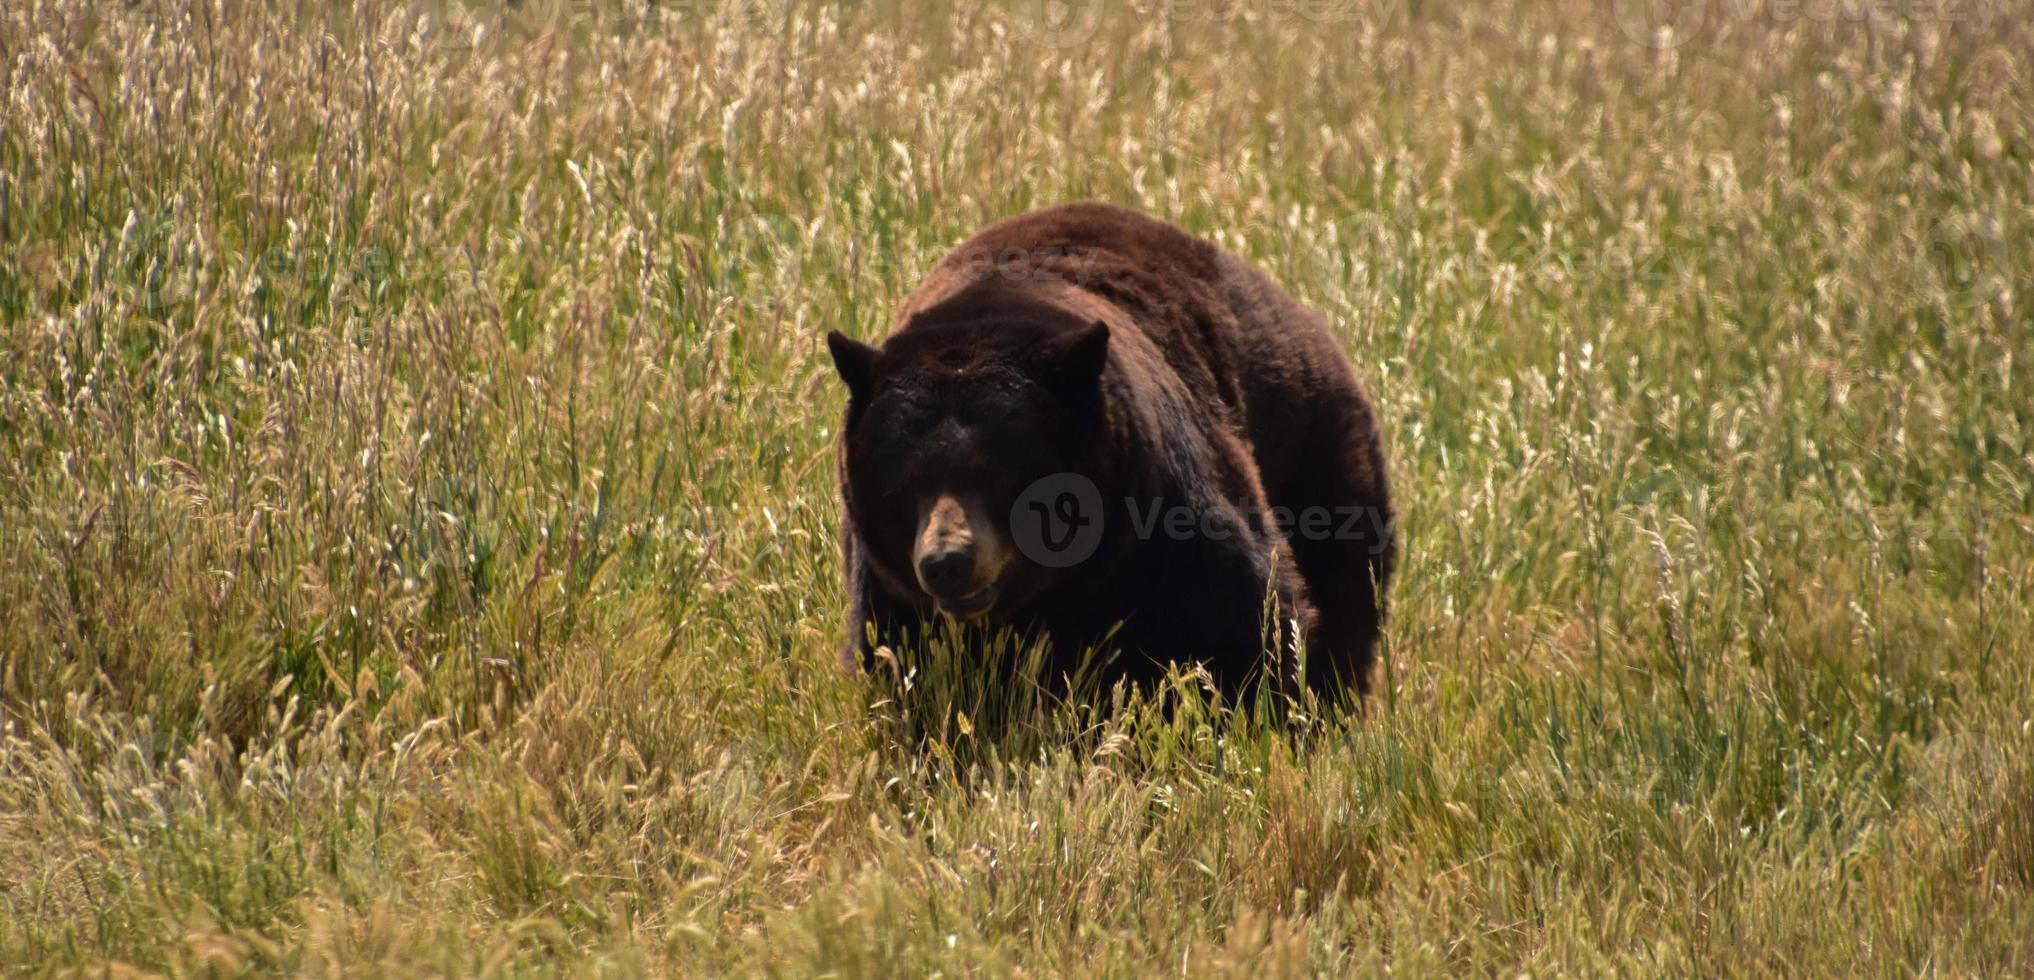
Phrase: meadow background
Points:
(418, 532)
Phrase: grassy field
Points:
(418, 533)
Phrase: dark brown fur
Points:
(1220, 394)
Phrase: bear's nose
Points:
(949, 574)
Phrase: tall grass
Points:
(418, 544)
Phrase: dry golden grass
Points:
(417, 535)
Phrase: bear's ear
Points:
(1076, 357)
(855, 361)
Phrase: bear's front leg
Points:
(874, 618)
(1236, 607)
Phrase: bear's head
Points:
(948, 422)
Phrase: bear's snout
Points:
(957, 557)
(949, 574)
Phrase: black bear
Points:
(1090, 426)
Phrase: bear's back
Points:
(1226, 331)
